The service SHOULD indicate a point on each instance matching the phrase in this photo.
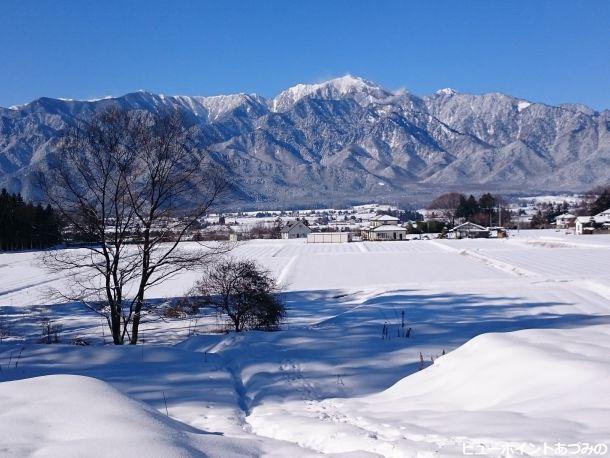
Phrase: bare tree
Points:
(446, 205)
(132, 184)
(243, 292)
(266, 230)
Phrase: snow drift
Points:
(521, 391)
(76, 416)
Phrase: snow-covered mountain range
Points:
(348, 139)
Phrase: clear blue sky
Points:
(549, 51)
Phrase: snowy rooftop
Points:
(388, 227)
(384, 218)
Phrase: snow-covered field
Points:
(508, 355)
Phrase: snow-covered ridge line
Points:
(352, 138)
(335, 87)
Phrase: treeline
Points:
(599, 200)
(25, 226)
(595, 201)
(546, 213)
(427, 227)
(487, 210)
(404, 215)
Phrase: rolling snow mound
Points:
(76, 416)
(523, 389)
(533, 386)
(531, 371)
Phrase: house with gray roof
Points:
(469, 230)
(384, 227)
(295, 230)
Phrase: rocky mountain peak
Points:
(349, 139)
(333, 89)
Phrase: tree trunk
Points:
(117, 337)
(135, 327)
(135, 320)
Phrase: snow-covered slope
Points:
(75, 416)
(524, 391)
(524, 323)
(364, 92)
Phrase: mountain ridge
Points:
(350, 140)
(306, 87)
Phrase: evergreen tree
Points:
(602, 202)
(472, 206)
(25, 226)
(487, 206)
(538, 221)
(462, 208)
(487, 203)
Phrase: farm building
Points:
(469, 230)
(329, 237)
(295, 230)
(596, 224)
(585, 225)
(384, 227)
(498, 232)
(565, 221)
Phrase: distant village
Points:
(449, 216)
(452, 216)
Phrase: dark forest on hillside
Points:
(26, 226)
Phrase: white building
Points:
(329, 237)
(295, 230)
(233, 236)
(592, 224)
(469, 230)
(384, 227)
(565, 221)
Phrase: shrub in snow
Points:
(243, 292)
(4, 326)
(181, 308)
(384, 331)
(51, 332)
(80, 342)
